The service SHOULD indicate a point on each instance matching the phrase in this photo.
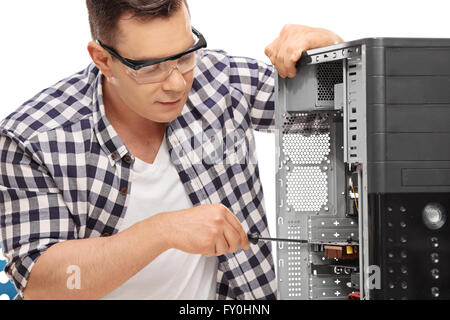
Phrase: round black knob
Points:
(253, 238)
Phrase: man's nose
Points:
(175, 81)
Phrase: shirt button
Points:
(113, 156)
(128, 159)
(124, 191)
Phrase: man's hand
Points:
(210, 230)
(287, 49)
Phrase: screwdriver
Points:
(255, 237)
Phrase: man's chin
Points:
(166, 117)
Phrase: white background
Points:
(44, 41)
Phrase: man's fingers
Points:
(287, 49)
(291, 53)
(281, 66)
(270, 49)
(281, 57)
(269, 54)
(285, 62)
(222, 246)
(297, 54)
(234, 222)
(292, 64)
(232, 237)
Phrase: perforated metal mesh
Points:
(294, 232)
(328, 74)
(294, 271)
(306, 149)
(307, 188)
(307, 143)
(306, 123)
(294, 260)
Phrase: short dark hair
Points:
(104, 14)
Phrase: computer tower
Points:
(363, 171)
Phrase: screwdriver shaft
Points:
(255, 237)
(284, 240)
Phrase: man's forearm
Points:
(104, 263)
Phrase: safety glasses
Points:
(158, 70)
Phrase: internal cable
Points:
(354, 194)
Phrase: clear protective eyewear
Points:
(158, 70)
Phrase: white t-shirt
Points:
(173, 275)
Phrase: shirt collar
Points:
(176, 132)
(107, 136)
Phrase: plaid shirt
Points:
(65, 173)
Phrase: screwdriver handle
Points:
(253, 238)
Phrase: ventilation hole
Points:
(328, 75)
(302, 149)
(307, 189)
(306, 123)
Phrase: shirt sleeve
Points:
(33, 215)
(256, 80)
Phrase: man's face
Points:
(158, 38)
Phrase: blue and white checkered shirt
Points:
(65, 172)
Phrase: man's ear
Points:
(101, 58)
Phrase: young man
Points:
(136, 178)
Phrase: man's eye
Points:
(150, 68)
(186, 58)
